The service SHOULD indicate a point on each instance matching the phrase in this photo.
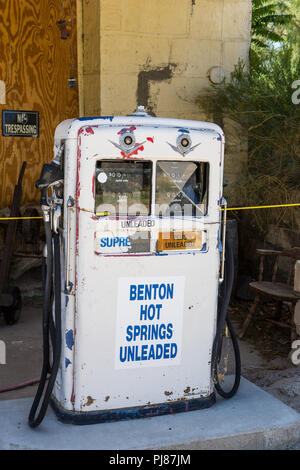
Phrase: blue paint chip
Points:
(70, 339)
(95, 117)
(184, 130)
(67, 300)
(218, 240)
(70, 288)
(68, 362)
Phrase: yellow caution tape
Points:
(261, 207)
(102, 214)
(228, 209)
(19, 218)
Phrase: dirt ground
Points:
(264, 351)
(24, 339)
(265, 354)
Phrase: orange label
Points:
(179, 241)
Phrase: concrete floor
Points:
(24, 358)
(252, 419)
(23, 351)
(24, 339)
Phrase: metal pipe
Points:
(224, 205)
(68, 284)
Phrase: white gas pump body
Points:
(139, 304)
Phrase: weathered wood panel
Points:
(35, 67)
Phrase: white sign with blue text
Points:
(149, 321)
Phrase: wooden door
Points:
(34, 73)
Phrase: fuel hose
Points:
(223, 320)
(51, 330)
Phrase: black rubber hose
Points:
(44, 275)
(34, 420)
(47, 273)
(223, 318)
(237, 377)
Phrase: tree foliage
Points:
(260, 100)
(268, 17)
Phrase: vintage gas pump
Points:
(135, 257)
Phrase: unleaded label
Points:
(179, 241)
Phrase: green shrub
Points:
(260, 100)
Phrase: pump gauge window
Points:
(123, 188)
(181, 189)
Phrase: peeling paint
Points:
(110, 118)
(124, 129)
(93, 185)
(107, 398)
(86, 131)
(89, 130)
(187, 390)
(72, 396)
(71, 287)
(133, 413)
(89, 401)
(134, 152)
(70, 339)
(168, 393)
(67, 362)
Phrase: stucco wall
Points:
(181, 39)
(160, 54)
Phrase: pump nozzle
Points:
(50, 174)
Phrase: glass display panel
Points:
(123, 188)
(181, 188)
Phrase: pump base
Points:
(93, 417)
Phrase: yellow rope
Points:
(18, 218)
(261, 207)
(228, 209)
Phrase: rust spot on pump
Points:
(107, 398)
(89, 401)
(168, 393)
(187, 390)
